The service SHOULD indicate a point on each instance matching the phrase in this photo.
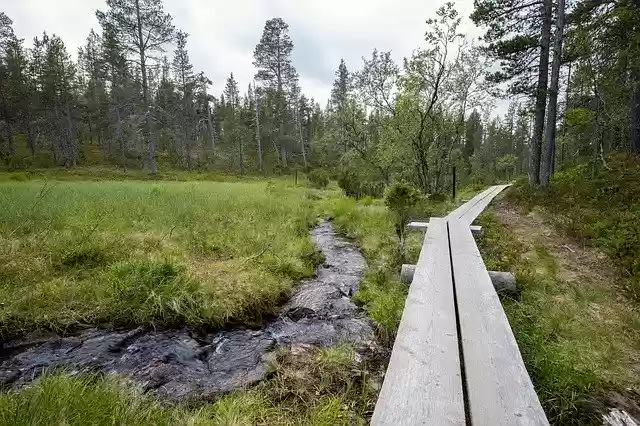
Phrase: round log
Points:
(406, 273)
(503, 282)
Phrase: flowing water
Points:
(189, 364)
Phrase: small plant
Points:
(401, 198)
(318, 178)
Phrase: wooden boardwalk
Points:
(455, 360)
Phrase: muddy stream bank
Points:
(185, 364)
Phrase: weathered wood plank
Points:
(470, 215)
(461, 210)
(421, 226)
(498, 386)
(423, 383)
(417, 225)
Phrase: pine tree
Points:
(121, 94)
(92, 68)
(142, 27)
(272, 58)
(339, 97)
(518, 35)
(183, 72)
(57, 83)
(550, 131)
(232, 120)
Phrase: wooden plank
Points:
(499, 389)
(418, 225)
(423, 383)
(479, 207)
(457, 213)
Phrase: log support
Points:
(421, 226)
(503, 282)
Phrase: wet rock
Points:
(180, 365)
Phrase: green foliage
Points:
(318, 178)
(598, 209)
(401, 198)
(357, 186)
(73, 400)
(579, 117)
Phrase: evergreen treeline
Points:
(571, 70)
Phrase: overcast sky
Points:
(223, 33)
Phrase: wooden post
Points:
(296, 177)
(454, 183)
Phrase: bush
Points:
(318, 178)
(401, 198)
(348, 182)
(357, 187)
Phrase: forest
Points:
(179, 250)
(569, 73)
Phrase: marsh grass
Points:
(137, 253)
(371, 225)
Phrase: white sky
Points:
(225, 32)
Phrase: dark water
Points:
(186, 364)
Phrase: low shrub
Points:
(318, 178)
(601, 208)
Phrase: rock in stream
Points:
(185, 364)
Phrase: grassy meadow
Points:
(139, 253)
(124, 252)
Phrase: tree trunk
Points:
(550, 131)
(241, 147)
(283, 153)
(153, 167)
(30, 140)
(123, 154)
(212, 139)
(71, 143)
(564, 120)
(636, 93)
(258, 140)
(636, 113)
(299, 125)
(541, 93)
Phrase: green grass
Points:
(134, 253)
(601, 209)
(370, 223)
(578, 340)
(128, 249)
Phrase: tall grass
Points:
(139, 253)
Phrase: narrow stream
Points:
(188, 365)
